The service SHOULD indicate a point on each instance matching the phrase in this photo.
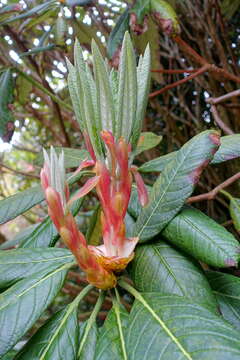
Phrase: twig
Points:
(200, 60)
(219, 121)
(19, 172)
(203, 69)
(216, 100)
(212, 194)
(174, 71)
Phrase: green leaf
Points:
(6, 98)
(35, 11)
(235, 212)
(229, 149)
(16, 204)
(172, 327)
(141, 9)
(20, 202)
(18, 264)
(147, 141)
(45, 234)
(58, 338)
(162, 12)
(23, 234)
(94, 231)
(10, 355)
(143, 86)
(112, 336)
(72, 157)
(127, 90)
(117, 34)
(104, 95)
(203, 238)
(37, 50)
(158, 164)
(175, 184)
(88, 351)
(226, 287)
(24, 302)
(160, 268)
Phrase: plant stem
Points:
(91, 320)
(116, 302)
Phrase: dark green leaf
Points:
(55, 340)
(117, 34)
(235, 212)
(72, 157)
(37, 50)
(16, 204)
(20, 263)
(10, 355)
(175, 184)
(160, 268)
(172, 327)
(35, 11)
(112, 336)
(88, 350)
(23, 234)
(94, 233)
(203, 238)
(6, 99)
(147, 140)
(227, 290)
(158, 164)
(24, 302)
(229, 149)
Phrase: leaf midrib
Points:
(36, 261)
(36, 284)
(166, 189)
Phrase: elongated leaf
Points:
(6, 98)
(72, 157)
(88, 351)
(38, 49)
(203, 238)
(117, 34)
(104, 96)
(157, 164)
(227, 290)
(20, 202)
(229, 149)
(16, 204)
(36, 10)
(57, 339)
(112, 336)
(160, 268)
(176, 184)
(21, 263)
(94, 232)
(18, 238)
(235, 212)
(143, 86)
(127, 91)
(24, 302)
(172, 328)
(147, 140)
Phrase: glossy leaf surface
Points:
(160, 268)
(203, 238)
(175, 184)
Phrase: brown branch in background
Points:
(174, 71)
(222, 98)
(203, 69)
(17, 172)
(213, 193)
(202, 61)
(219, 121)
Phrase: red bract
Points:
(113, 182)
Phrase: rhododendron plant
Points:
(107, 134)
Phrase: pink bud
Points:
(141, 188)
(87, 187)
